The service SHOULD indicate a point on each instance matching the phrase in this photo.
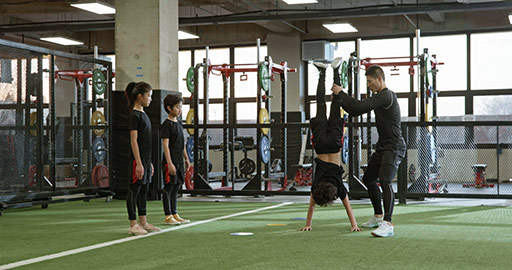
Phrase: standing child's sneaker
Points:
(374, 222)
(384, 230)
(169, 220)
(178, 218)
(150, 228)
(137, 230)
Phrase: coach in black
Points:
(390, 150)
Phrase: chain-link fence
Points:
(470, 158)
(54, 133)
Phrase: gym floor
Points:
(430, 234)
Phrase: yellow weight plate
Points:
(97, 119)
(190, 121)
(263, 118)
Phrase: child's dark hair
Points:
(324, 193)
(171, 100)
(133, 89)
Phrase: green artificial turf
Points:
(426, 237)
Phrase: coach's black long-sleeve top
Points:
(387, 116)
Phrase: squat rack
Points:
(427, 66)
(265, 71)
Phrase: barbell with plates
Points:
(264, 76)
(265, 149)
(263, 118)
(190, 121)
(97, 119)
(99, 83)
(190, 149)
(100, 176)
(99, 149)
(190, 79)
(33, 121)
(247, 166)
(344, 74)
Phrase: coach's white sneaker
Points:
(384, 230)
(374, 222)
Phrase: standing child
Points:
(173, 142)
(138, 96)
(327, 140)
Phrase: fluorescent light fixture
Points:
(340, 27)
(62, 41)
(299, 2)
(185, 35)
(510, 18)
(97, 8)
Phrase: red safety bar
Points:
(229, 69)
(81, 74)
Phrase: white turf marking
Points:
(127, 239)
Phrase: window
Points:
(489, 65)
(246, 112)
(492, 105)
(184, 61)
(404, 106)
(216, 57)
(397, 78)
(247, 55)
(450, 106)
(344, 49)
(451, 51)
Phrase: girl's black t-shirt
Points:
(140, 121)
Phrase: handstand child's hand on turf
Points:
(307, 228)
(355, 229)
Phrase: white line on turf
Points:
(127, 239)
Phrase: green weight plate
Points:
(99, 83)
(190, 79)
(264, 77)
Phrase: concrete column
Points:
(147, 43)
(287, 47)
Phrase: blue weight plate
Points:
(265, 149)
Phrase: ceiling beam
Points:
(272, 15)
(77, 26)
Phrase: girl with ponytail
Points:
(138, 96)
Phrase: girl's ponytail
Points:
(128, 93)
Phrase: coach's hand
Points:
(336, 89)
